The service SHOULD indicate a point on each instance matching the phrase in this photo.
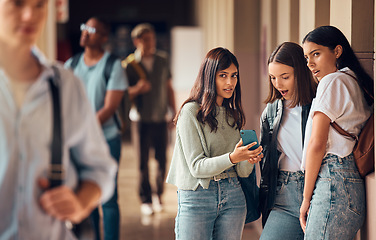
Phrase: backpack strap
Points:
(107, 74)
(132, 61)
(108, 67)
(272, 113)
(343, 132)
(75, 60)
(56, 171)
(337, 127)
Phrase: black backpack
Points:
(106, 73)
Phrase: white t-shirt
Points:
(341, 99)
(290, 139)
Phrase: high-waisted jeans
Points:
(283, 220)
(338, 205)
(214, 213)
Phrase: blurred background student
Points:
(104, 81)
(148, 71)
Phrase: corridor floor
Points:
(159, 226)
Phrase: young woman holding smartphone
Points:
(208, 156)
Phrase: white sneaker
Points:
(146, 209)
(157, 206)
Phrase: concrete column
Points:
(246, 49)
(306, 17)
(268, 41)
(340, 16)
(216, 18)
(47, 42)
(362, 32)
(313, 13)
(287, 21)
(322, 13)
(369, 229)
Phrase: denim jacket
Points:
(270, 122)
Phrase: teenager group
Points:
(313, 188)
(310, 186)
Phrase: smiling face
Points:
(283, 79)
(21, 21)
(321, 60)
(225, 82)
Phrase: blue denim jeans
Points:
(111, 215)
(338, 205)
(214, 213)
(283, 221)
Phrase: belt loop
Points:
(287, 178)
(216, 179)
(228, 176)
(340, 160)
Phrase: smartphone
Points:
(248, 137)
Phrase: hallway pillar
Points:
(268, 41)
(47, 42)
(246, 49)
(313, 13)
(287, 21)
(216, 18)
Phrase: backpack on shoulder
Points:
(106, 74)
(363, 151)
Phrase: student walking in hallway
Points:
(105, 82)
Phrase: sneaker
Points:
(146, 209)
(146, 220)
(157, 206)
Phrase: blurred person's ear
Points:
(136, 42)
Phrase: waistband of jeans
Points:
(335, 158)
(298, 175)
(224, 175)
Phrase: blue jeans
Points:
(338, 205)
(214, 213)
(111, 215)
(283, 221)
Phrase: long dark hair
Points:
(291, 54)
(205, 94)
(331, 37)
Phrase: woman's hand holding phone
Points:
(242, 153)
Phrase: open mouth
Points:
(283, 92)
(228, 90)
(315, 72)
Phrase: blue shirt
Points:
(25, 139)
(95, 85)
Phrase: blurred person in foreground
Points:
(30, 208)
